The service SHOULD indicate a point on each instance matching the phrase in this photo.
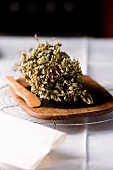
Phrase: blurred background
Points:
(57, 17)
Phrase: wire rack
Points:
(9, 106)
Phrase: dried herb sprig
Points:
(52, 74)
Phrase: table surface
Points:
(88, 146)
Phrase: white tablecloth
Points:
(87, 147)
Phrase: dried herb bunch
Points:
(52, 74)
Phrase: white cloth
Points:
(72, 154)
(24, 144)
(73, 150)
(100, 146)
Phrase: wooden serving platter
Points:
(103, 104)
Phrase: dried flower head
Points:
(52, 74)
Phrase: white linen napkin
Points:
(24, 144)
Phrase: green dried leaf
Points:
(52, 74)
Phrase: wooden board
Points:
(102, 98)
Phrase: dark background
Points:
(57, 17)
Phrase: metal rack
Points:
(9, 106)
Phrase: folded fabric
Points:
(24, 144)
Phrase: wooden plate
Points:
(103, 104)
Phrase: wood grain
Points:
(102, 98)
(31, 99)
